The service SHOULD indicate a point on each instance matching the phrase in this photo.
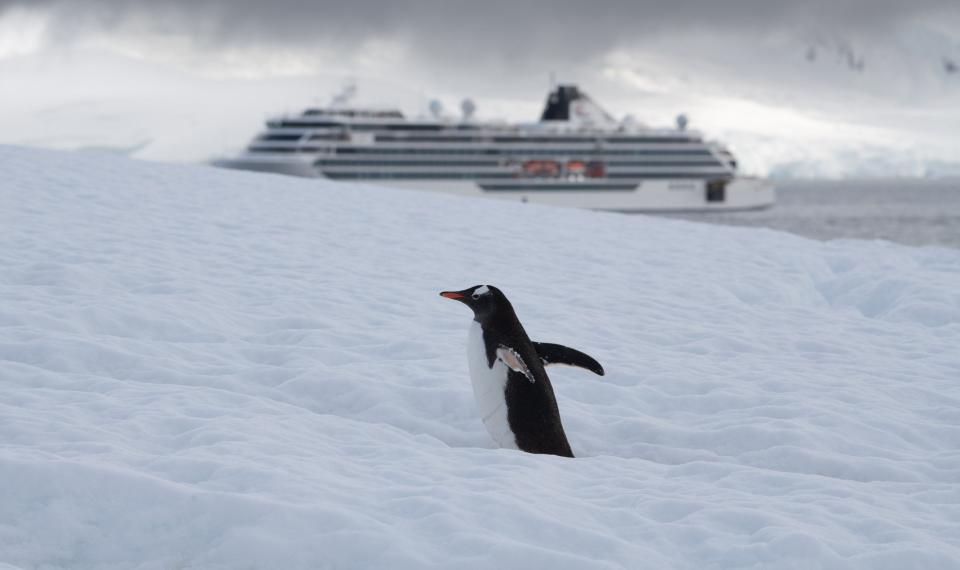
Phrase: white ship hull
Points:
(652, 195)
(649, 196)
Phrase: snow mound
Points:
(214, 369)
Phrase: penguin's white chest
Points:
(489, 386)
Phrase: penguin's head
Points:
(482, 299)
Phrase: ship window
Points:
(280, 137)
(716, 190)
(306, 124)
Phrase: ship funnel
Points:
(568, 104)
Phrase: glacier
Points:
(216, 369)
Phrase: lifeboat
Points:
(541, 168)
(595, 169)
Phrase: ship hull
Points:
(645, 195)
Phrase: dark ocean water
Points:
(911, 212)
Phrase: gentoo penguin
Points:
(514, 394)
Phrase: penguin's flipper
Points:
(559, 354)
(514, 361)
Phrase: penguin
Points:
(514, 395)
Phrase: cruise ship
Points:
(576, 155)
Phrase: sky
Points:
(843, 88)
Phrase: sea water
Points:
(911, 212)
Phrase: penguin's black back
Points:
(534, 416)
(532, 410)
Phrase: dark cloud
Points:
(476, 29)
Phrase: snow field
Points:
(212, 369)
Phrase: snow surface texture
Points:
(213, 369)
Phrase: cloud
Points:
(775, 78)
(494, 31)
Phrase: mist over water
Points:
(910, 212)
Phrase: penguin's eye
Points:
(482, 290)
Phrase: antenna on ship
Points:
(346, 93)
(468, 108)
(436, 108)
(681, 122)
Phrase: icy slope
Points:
(211, 369)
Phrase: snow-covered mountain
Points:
(215, 369)
(811, 103)
(822, 89)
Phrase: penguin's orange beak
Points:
(452, 295)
